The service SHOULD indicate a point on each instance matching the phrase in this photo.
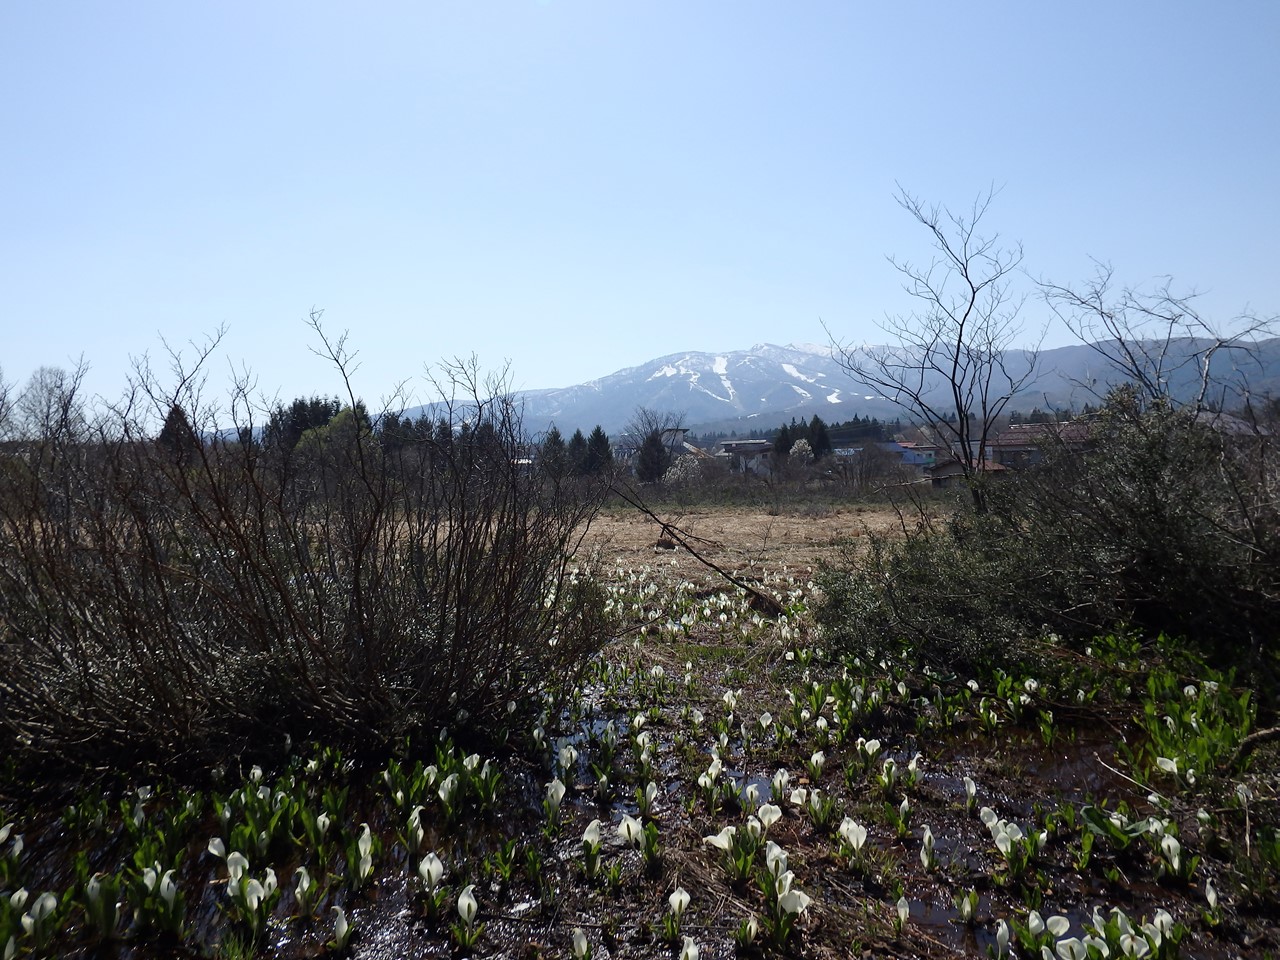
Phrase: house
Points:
(676, 442)
(915, 458)
(625, 446)
(1024, 445)
(748, 456)
(683, 448)
(922, 454)
(918, 457)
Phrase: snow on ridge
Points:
(804, 393)
(667, 371)
(833, 397)
(817, 349)
(720, 366)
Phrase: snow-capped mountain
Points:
(763, 387)
(709, 389)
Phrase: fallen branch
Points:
(1252, 742)
(761, 602)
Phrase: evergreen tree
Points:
(438, 436)
(485, 437)
(443, 437)
(285, 427)
(653, 459)
(576, 453)
(856, 432)
(177, 436)
(782, 443)
(554, 456)
(394, 432)
(599, 456)
(819, 439)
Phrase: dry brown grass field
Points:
(746, 540)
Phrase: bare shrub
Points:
(162, 608)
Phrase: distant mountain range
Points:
(760, 388)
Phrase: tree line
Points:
(823, 438)
(308, 420)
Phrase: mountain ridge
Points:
(756, 389)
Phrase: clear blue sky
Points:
(577, 186)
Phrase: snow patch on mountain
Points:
(793, 372)
(694, 386)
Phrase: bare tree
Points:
(50, 404)
(873, 467)
(1159, 341)
(653, 439)
(646, 421)
(6, 406)
(954, 368)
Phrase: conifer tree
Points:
(443, 436)
(576, 453)
(395, 431)
(285, 427)
(653, 459)
(782, 445)
(177, 435)
(599, 456)
(554, 454)
(819, 439)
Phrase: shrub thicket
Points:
(159, 607)
(1166, 523)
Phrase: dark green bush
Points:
(1166, 524)
(954, 595)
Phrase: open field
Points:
(738, 538)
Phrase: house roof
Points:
(1034, 434)
(747, 446)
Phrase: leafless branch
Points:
(1158, 340)
(953, 367)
